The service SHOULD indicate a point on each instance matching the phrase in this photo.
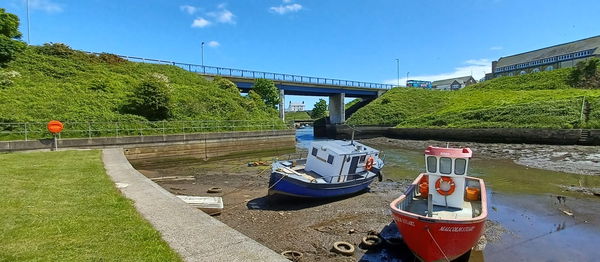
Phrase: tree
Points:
(9, 25)
(320, 109)
(9, 30)
(226, 84)
(151, 99)
(586, 74)
(267, 90)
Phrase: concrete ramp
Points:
(193, 234)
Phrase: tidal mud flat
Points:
(540, 220)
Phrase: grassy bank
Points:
(540, 100)
(61, 206)
(55, 82)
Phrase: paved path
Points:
(195, 235)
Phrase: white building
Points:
(295, 107)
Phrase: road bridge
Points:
(288, 84)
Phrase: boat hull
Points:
(286, 185)
(432, 239)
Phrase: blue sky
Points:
(350, 39)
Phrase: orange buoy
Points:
(55, 126)
(472, 193)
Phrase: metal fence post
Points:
(25, 131)
(89, 130)
(117, 129)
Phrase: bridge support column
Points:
(337, 114)
(282, 104)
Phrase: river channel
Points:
(536, 218)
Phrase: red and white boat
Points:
(442, 214)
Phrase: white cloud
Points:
(287, 1)
(45, 5)
(495, 48)
(213, 43)
(475, 67)
(223, 16)
(200, 22)
(284, 9)
(189, 9)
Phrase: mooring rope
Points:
(282, 176)
(438, 246)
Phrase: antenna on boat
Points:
(447, 144)
(352, 138)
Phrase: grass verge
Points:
(61, 206)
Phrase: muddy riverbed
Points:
(530, 209)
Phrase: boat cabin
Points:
(446, 169)
(339, 161)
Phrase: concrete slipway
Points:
(195, 235)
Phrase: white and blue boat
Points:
(331, 169)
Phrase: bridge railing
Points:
(250, 74)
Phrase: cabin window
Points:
(362, 158)
(315, 151)
(460, 166)
(445, 165)
(330, 159)
(431, 164)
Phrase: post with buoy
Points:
(55, 127)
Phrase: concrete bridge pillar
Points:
(337, 114)
(282, 104)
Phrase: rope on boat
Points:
(282, 176)
(438, 246)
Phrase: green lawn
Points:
(61, 206)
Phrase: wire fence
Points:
(37, 130)
(232, 72)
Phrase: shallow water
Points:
(528, 203)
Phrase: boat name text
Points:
(457, 229)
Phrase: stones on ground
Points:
(213, 190)
(121, 185)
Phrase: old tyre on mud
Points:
(214, 190)
(292, 255)
(344, 248)
(371, 241)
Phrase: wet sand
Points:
(311, 227)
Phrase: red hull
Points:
(432, 239)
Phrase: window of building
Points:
(460, 165)
(535, 70)
(549, 68)
(362, 158)
(522, 72)
(431, 164)
(315, 151)
(511, 74)
(445, 165)
(330, 159)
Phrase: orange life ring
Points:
(369, 163)
(448, 180)
(55, 126)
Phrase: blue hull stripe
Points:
(294, 187)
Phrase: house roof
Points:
(561, 49)
(449, 81)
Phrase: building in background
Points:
(546, 59)
(295, 107)
(418, 83)
(453, 83)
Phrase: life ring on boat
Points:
(450, 182)
(369, 163)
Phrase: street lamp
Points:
(28, 26)
(202, 55)
(398, 69)
(407, 78)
